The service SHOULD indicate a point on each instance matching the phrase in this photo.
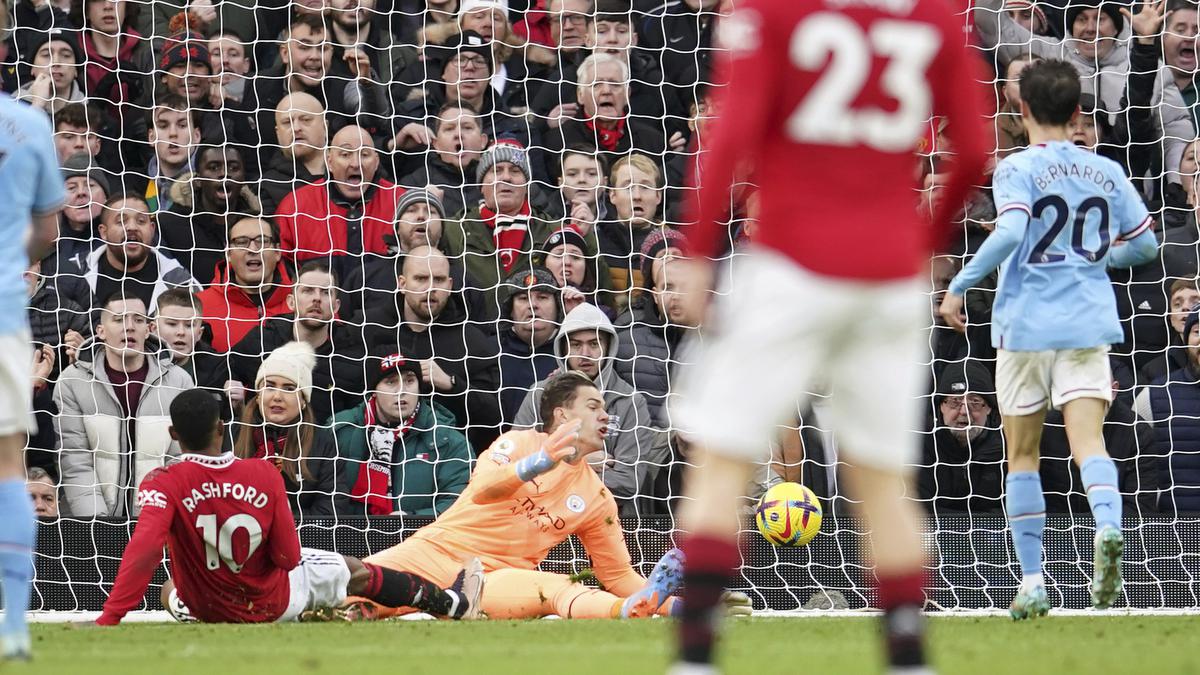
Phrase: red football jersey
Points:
(825, 103)
(230, 533)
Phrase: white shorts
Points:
(1026, 382)
(319, 581)
(777, 330)
(16, 389)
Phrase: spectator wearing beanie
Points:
(498, 237)
(963, 466)
(653, 327)
(564, 253)
(185, 69)
(55, 64)
(531, 311)
(278, 425)
(399, 449)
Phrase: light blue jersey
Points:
(30, 184)
(1064, 216)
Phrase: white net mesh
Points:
(287, 164)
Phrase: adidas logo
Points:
(1144, 306)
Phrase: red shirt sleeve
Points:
(283, 542)
(749, 68)
(144, 550)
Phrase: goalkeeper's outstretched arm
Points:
(499, 482)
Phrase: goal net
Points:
(448, 191)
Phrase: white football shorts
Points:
(1027, 382)
(16, 388)
(319, 581)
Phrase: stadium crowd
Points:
(375, 228)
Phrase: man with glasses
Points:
(250, 286)
(964, 450)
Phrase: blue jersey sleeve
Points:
(1009, 232)
(1133, 218)
(1011, 188)
(50, 191)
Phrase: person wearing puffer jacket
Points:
(114, 404)
(587, 343)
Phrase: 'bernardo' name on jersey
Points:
(211, 490)
(1073, 170)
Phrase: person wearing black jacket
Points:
(427, 323)
(458, 141)
(303, 134)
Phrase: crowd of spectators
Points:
(375, 228)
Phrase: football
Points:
(788, 514)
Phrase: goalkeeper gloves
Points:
(736, 604)
(534, 465)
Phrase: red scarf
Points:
(608, 139)
(374, 484)
(508, 233)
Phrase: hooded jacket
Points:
(100, 462)
(231, 312)
(631, 458)
(646, 352)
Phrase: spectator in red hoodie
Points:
(251, 285)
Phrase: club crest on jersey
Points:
(153, 498)
(739, 32)
(502, 453)
(575, 504)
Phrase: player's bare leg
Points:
(712, 488)
(1026, 505)
(1084, 419)
(896, 547)
(18, 528)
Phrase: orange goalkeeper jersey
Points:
(510, 523)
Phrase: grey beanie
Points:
(413, 196)
(505, 150)
(80, 164)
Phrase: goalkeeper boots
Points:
(1030, 603)
(664, 580)
(1106, 576)
(469, 587)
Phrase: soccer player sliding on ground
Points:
(529, 492)
(1064, 215)
(235, 554)
(822, 101)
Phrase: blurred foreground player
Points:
(235, 554)
(31, 192)
(826, 95)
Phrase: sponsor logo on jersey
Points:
(575, 504)
(538, 515)
(151, 498)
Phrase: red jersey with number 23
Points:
(230, 533)
(825, 103)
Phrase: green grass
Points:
(1058, 645)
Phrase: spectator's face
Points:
(106, 16)
(253, 252)
(56, 59)
(1193, 341)
(419, 225)
(533, 315)
(666, 291)
(229, 58)
(1189, 170)
(45, 498)
(568, 265)
(608, 93)
(300, 126)
(32, 276)
(614, 37)
(1083, 131)
(314, 299)
(1093, 31)
(585, 351)
(505, 188)
(1026, 18)
(487, 21)
(635, 195)
(703, 113)
(190, 80)
(1012, 82)
(173, 136)
(568, 23)
(581, 179)
(128, 230)
(124, 327)
(965, 416)
(466, 76)
(426, 285)
(179, 328)
(85, 200)
(396, 396)
(70, 139)
(588, 407)
(280, 401)
(351, 14)
(1179, 40)
(1181, 304)
(306, 56)
(220, 176)
(460, 137)
(353, 162)
(941, 271)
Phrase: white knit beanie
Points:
(295, 362)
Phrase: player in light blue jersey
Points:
(1065, 216)
(31, 194)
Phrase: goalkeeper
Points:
(529, 492)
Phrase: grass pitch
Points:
(760, 646)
